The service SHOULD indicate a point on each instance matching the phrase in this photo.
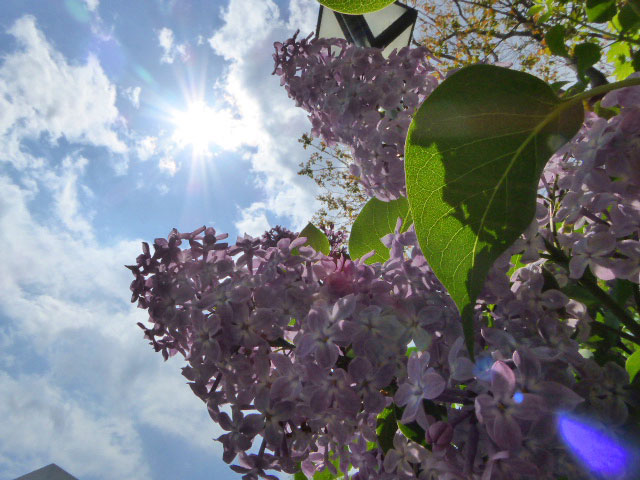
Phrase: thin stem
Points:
(599, 326)
(216, 382)
(603, 32)
(629, 82)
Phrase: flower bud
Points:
(440, 434)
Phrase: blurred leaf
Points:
(517, 264)
(622, 291)
(356, 7)
(575, 291)
(376, 220)
(316, 239)
(619, 54)
(473, 158)
(635, 61)
(633, 365)
(412, 431)
(557, 86)
(555, 41)
(600, 11)
(585, 55)
(386, 427)
(535, 10)
(628, 19)
(326, 473)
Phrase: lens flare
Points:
(596, 450)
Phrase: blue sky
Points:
(120, 120)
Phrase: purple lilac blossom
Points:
(356, 97)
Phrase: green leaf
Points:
(299, 476)
(474, 154)
(316, 239)
(534, 10)
(586, 55)
(386, 427)
(633, 365)
(622, 290)
(557, 86)
(600, 11)
(555, 41)
(517, 264)
(635, 61)
(619, 54)
(628, 19)
(356, 7)
(326, 474)
(577, 292)
(375, 220)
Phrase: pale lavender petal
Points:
(434, 385)
(577, 266)
(503, 380)
(506, 432)
(403, 394)
(558, 396)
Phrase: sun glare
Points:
(195, 127)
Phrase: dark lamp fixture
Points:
(386, 29)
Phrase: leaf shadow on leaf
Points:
(475, 152)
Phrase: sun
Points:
(195, 127)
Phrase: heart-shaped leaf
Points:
(474, 154)
(356, 7)
(375, 220)
(316, 239)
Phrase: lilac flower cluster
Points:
(600, 189)
(306, 343)
(305, 351)
(358, 98)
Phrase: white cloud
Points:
(263, 106)
(165, 40)
(171, 50)
(169, 165)
(42, 422)
(133, 95)
(42, 94)
(253, 220)
(64, 296)
(146, 147)
(246, 23)
(92, 5)
(303, 15)
(65, 194)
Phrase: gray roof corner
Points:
(50, 472)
